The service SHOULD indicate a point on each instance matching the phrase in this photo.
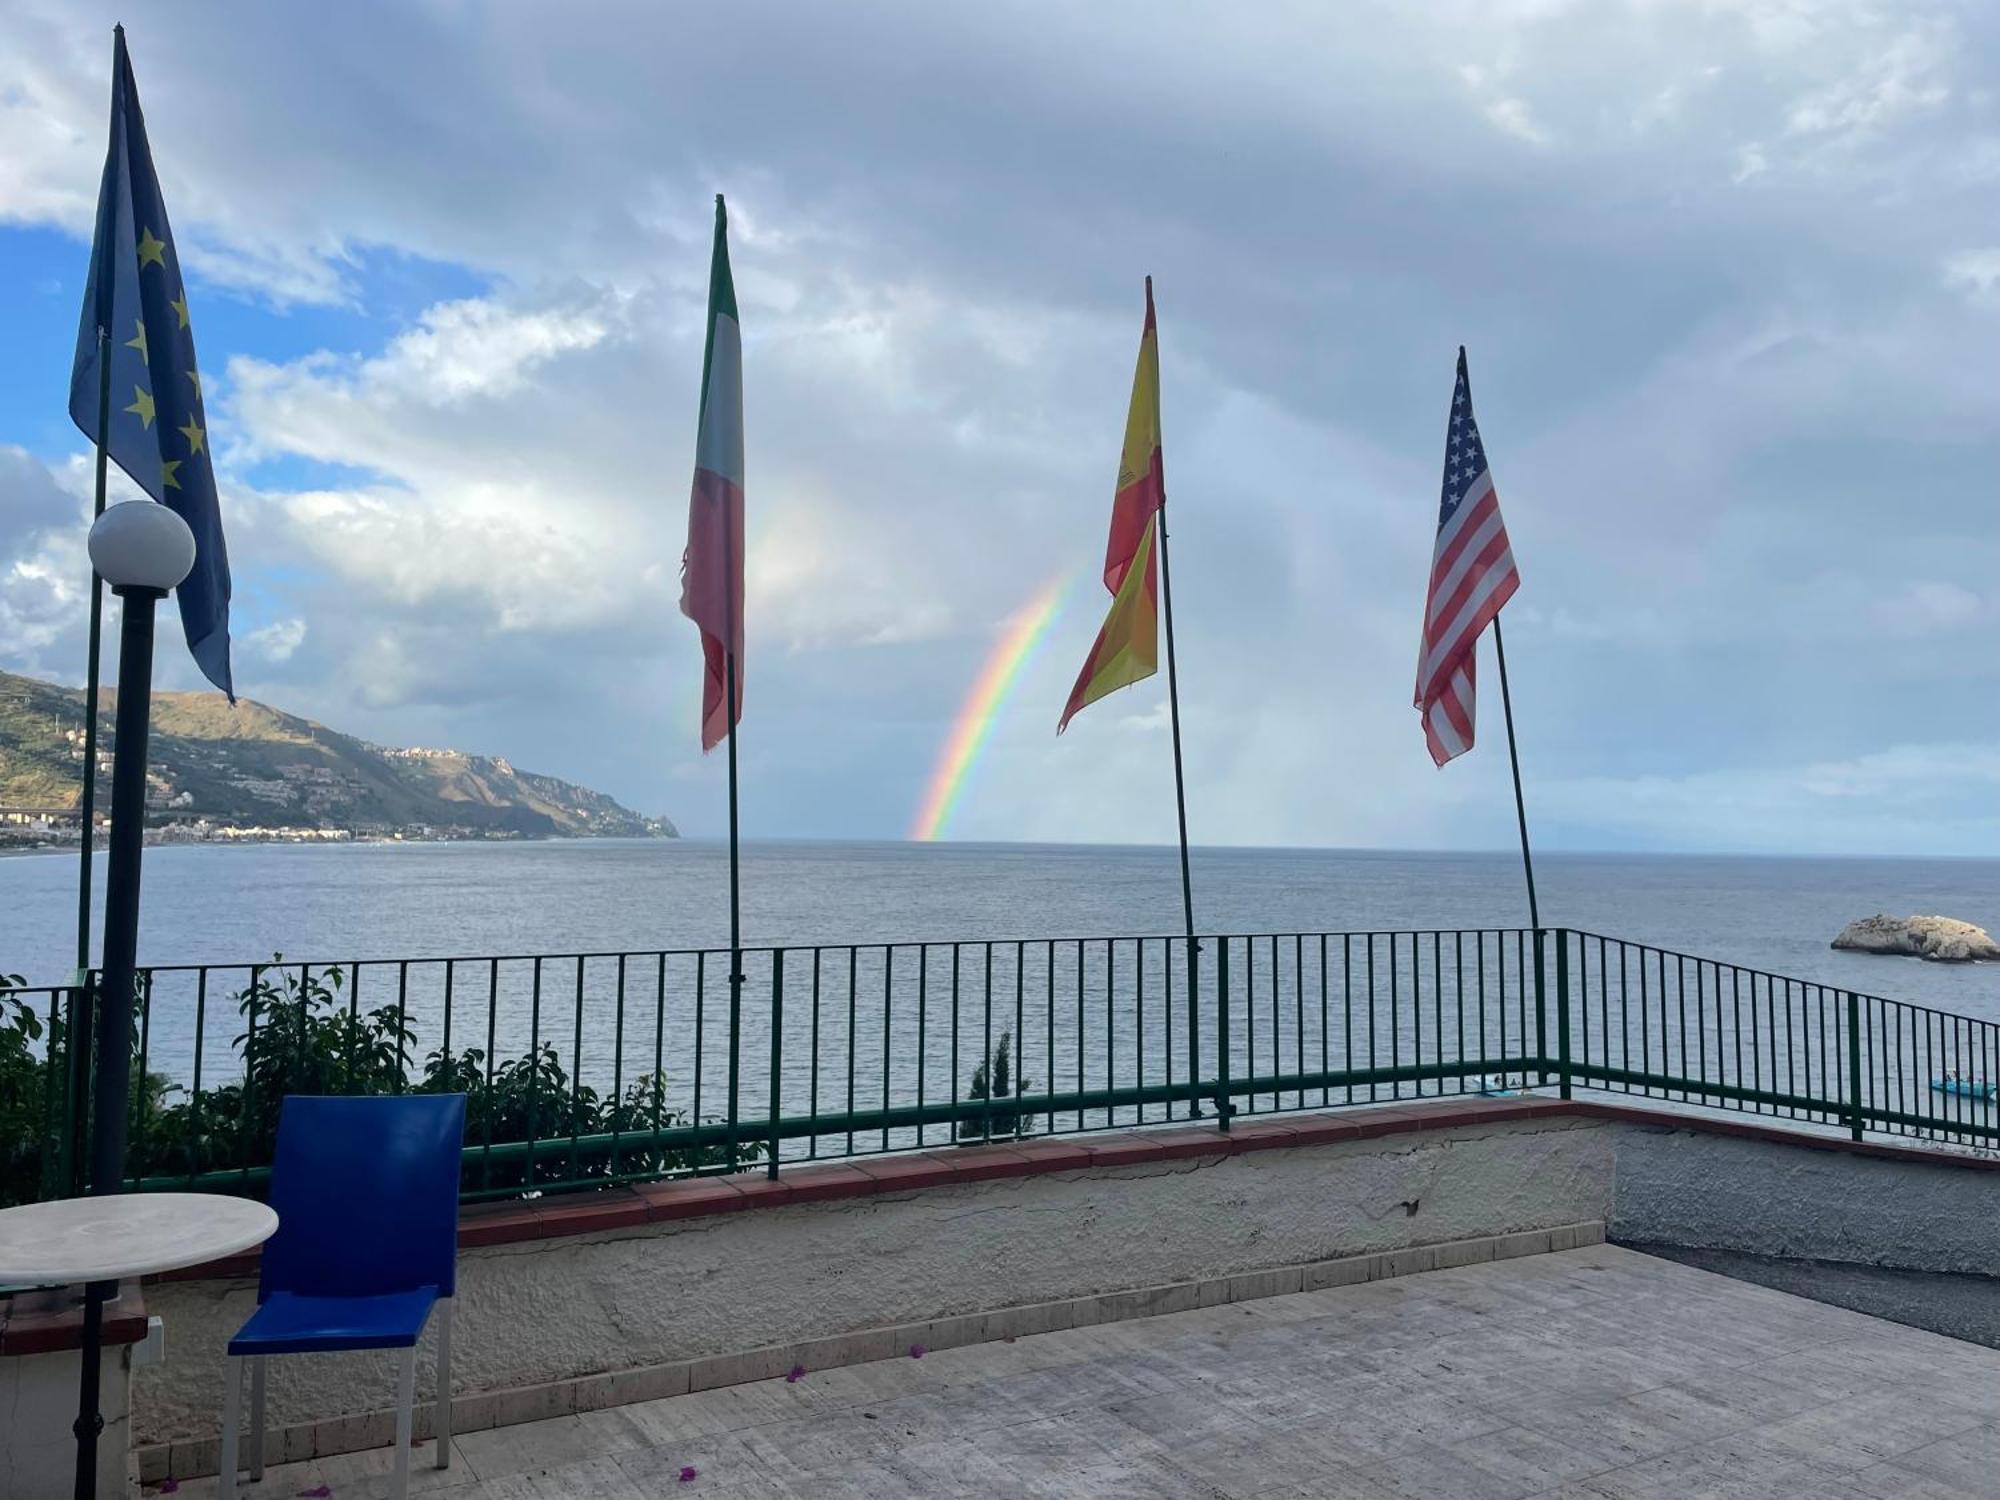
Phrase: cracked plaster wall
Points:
(555, 1309)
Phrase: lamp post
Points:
(143, 550)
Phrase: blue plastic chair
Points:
(366, 1191)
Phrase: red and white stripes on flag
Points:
(1472, 576)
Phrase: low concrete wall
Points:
(41, 1371)
(1793, 1200)
(558, 1314)
(37, 1423)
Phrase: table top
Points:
(69, 1240)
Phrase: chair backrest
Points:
(366, 1191)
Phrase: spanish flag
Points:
(1127, 648)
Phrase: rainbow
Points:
(1024, 631)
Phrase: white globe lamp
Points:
(141, 544)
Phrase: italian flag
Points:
(1127, 647)
(712, 566)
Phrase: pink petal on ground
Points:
(794, 1375)
(688, 1472)
(170, 1486)
(916, 1351)
(317, 1492)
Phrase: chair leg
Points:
(232, 1418)
(406, 1401)
(256, 1417)
(441, 1424)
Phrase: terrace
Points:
(1594, 1373)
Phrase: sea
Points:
(341, 902)
(336, 904)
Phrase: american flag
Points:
(1472, 575)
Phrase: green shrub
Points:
(297, 1037)
(531, 1098)
(24, 1096)
(993, 1079)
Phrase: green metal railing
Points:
(589, 1069)
(1666, 1025)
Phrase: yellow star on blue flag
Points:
(160, 436)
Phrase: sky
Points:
(1728, 275)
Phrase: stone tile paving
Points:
(1593, 1374)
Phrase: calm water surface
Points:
(209, 904)
(876, 1027)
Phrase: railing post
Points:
(777, 1052)
(1222, 1034)
(1541, 1016)
(735, 1052)
(1562, 1010)
(83, 1003)
(49, 1183)
(1193, 1023)
(1854, 1114)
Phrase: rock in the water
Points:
(1940, 939)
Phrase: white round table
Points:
(101, 1240)
(74, 1240)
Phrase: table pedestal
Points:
(89, 1408)
(41, 1362)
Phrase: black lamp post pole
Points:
(119, 981)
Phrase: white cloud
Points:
(1910, 798)
(44, 572)
(1906, 76)
(276, 642)
(330, 408)
(1930, 608)
(1975, 273)
(1751, 161)
(1513, 117)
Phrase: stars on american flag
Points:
(1465, 455)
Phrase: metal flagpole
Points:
(1180, 807)
(1180, 796)
(1514, 755)
(80, 1004)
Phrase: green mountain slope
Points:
(256, 766)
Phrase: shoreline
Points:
(342, 840)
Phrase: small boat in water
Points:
(1970, 1088)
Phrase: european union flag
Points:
(135, 336)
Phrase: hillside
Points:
(256, 766)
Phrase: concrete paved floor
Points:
(1594, 1374)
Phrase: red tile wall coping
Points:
(1634, 1114)
(50, 1322)
(519, 1221)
